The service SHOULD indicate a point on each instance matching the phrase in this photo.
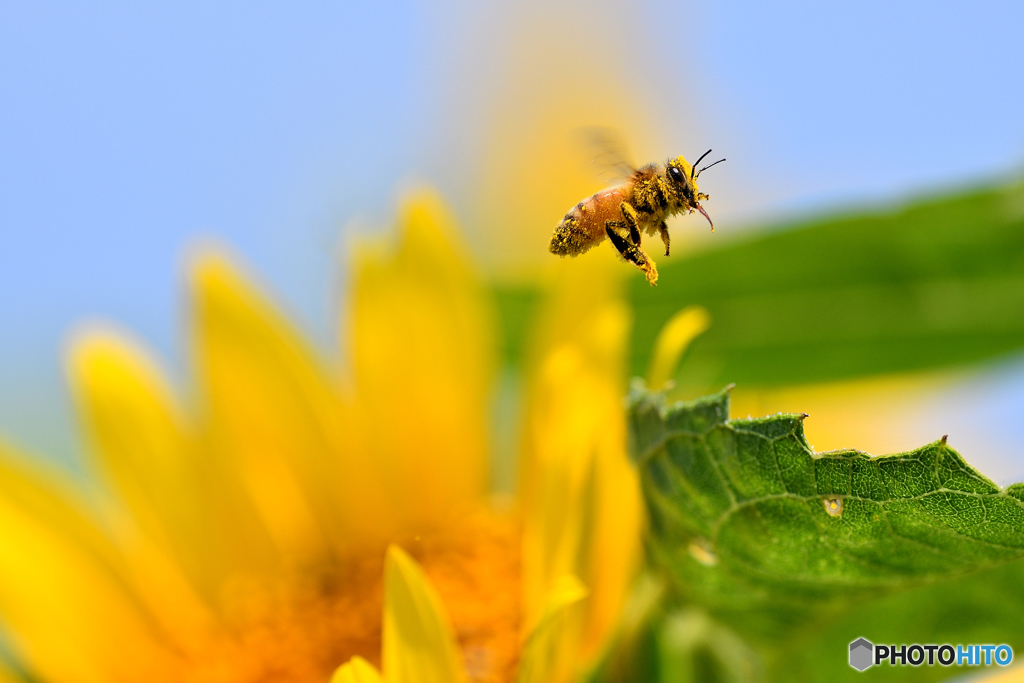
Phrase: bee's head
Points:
(682, 178)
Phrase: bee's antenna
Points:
(708, 166)
(697, 162)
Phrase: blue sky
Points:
(128, 131)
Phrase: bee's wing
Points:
(607, 152)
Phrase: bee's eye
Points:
(676, 173)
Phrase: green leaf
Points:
(934, 283)
(801, 553)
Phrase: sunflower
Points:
(280, 517)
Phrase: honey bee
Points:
(640, 204)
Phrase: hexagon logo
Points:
(861, 654)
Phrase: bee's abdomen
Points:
(583, 226)
(569, 238)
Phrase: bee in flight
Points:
(648, 196)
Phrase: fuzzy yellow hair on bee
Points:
(640, 204)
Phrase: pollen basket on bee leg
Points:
(650, 272)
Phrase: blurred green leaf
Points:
(802, 553)
(516, 308)
(934, 283)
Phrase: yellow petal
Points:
(582, 508)
(8, 676)
(276, 423)
(421, 341)
(418, 640)
(544, 657)
(675, 336)
(356, 670)
(611, 553)
(62, 588)
(558, 469)
(176, 499)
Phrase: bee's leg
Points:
(631, 252)
(663, 229)
(632, 221)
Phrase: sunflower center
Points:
(301, 632)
